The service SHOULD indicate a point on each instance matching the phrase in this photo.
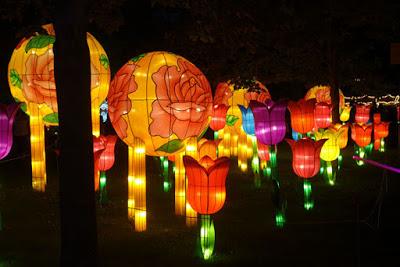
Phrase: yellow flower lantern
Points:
(330, 150)
(163, 100)
(345, 114)
(31, 80)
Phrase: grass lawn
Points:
(341, 230)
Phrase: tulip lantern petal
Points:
(330, 150)
(269, 121)
(345, 114)
(302, 115)
(206, 187)
(7, 116)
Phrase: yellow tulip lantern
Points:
(158, 102)
(31, 80)
(345, 113)
(330, 151)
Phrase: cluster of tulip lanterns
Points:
(160, 105)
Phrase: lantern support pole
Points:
(180, 187)
(308, 201)
(103, 189)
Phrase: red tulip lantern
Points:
(362, 113)
(218, 119)
(377, 118)
(302, 115)
(381, 131)
(361, 134)
(306, 156)
(323, 115)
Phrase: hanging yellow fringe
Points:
(137, 185)
(38, 153)
(180, 200)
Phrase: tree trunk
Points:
(77, 197)
(334, 92)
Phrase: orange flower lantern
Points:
(206, 184)
(322, 115)
(381, 131)
(209, 148)
(263, 151)
(361, 134)
(362, 113)
(302, 115)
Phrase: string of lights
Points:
(386, 100)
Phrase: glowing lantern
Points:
(7, 116)
(260, 94)
(345, 114)
(247, 120)
(206, 194)
(306, 163)
(362, 113)
(263, 151)
(302, 115)
(377, 118)
(31, 80)
(218, 119)
(209, 148)
(322, 93)
(344, 136)
(381, 131)
(330, 150)
(206, 186)
(323, 115)
(269, 121)
(162, 100)
(361, 134)
(306, 156)
(104, 160)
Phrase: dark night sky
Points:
(282, 43)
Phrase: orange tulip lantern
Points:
(377, 118)
(302, 115)
(362, 113)
(31, 80)
(381, 131)
(104, 160)
(323, 115)
(206, 194)
(361, 135)
(156, 103)
(306, 163)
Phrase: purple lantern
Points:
(269, 121)
(7, 116)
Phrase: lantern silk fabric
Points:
(322, 115)
(106, 145)
(302, 115)
(206, 191)
(269, 121)
(7, 117)
(306, 156)
(218, 119)
(330, 150)
(162, 99)
(247, 120)
(362, 113)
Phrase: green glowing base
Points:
(207, 236)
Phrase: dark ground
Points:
(341, 230)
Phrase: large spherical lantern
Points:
(157, 102)
(31, 80)
(160, 98)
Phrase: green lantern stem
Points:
(207, 236)
(280, 219)
(103, 190)
(274, 164)
(216, 135)
(330, 173)
(340, 161)
(360, 151)
(308, 201)
(382, 146)
(368, 149)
